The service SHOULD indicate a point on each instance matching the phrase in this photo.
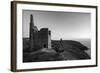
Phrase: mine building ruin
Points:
(39, 38)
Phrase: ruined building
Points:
(39, 38)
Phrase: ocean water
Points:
(87, 43)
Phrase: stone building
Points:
(39, 38)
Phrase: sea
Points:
(87, 43)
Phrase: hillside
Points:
(72, 49)
(61, 50)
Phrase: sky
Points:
(65, 25)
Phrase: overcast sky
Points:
(65, 25)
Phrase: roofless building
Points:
(39, 38)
